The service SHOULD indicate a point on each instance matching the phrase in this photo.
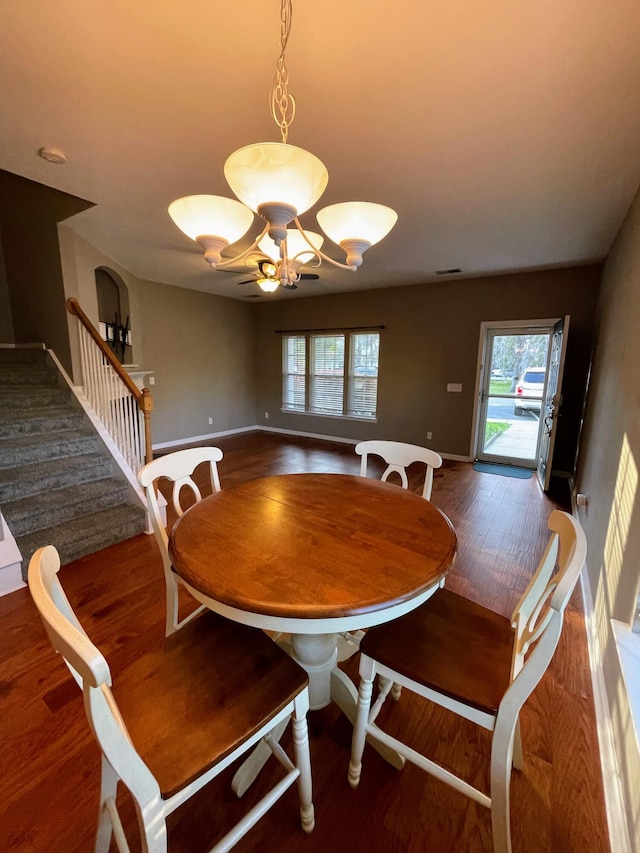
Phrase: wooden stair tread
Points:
(193, 698)
(450, 644)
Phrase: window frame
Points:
(349, 374)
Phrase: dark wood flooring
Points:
(49, 773)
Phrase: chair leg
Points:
(518, 756)
(396, 692)
(153, 826)
(367, 674)
(171, 621)
(303, 762)
(502, 756)
(108, 791)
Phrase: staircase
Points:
(58, 483)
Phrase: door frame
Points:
(552, 402)
(496, 324)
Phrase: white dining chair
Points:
(180, 713)
(177, 467)
(398, 457)
(475, 663)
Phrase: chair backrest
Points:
(539, 614)
(398, 456)
(177, 467)
(90, 669)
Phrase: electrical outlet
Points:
(210, 421)
(266, 416)
(429, 435)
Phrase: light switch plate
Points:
(454, 386)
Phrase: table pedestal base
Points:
(318, 655)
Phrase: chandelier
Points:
(279, 182)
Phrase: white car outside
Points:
(530, 385)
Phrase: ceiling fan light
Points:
(356, 220)
(277, 173)
(296, 245)
(268, 285)
(211, 215)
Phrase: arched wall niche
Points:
(114, 312)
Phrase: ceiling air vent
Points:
(448, 272)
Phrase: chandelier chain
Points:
(283, 105)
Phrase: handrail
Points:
(142, 397)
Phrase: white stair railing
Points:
(122, 407)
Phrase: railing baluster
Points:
(121, 406)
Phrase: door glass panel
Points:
(513, 394)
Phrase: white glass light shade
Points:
(267, 285)
(211, 215)
(278, 173)
(357, 220)
(295, 244)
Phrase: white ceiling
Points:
(506, 134)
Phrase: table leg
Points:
(251, 766)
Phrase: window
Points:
(331, 373)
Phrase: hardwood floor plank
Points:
(49, 774)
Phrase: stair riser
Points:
(72, 548)
(12, 456)
(41, 425)
(24, 485)
(27, 523)
(22, 355)
(26, 376)
(32, 398)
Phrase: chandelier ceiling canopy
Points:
(279, 182)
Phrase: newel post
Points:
(146, 407)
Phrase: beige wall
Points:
(79, 263)
(201, 348)
(608, 475)
(431, 338)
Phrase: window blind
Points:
(327, 374)
(294, 373)
(331, 373)
(363, 374)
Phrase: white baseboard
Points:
(261, 428)
(299, 434)
(10, 561)
(178, 442)
(619, 838)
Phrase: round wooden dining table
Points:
(314, 556)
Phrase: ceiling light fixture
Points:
(279, 182)
(53, 155)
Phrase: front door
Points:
(552, 401)
(513, 381)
